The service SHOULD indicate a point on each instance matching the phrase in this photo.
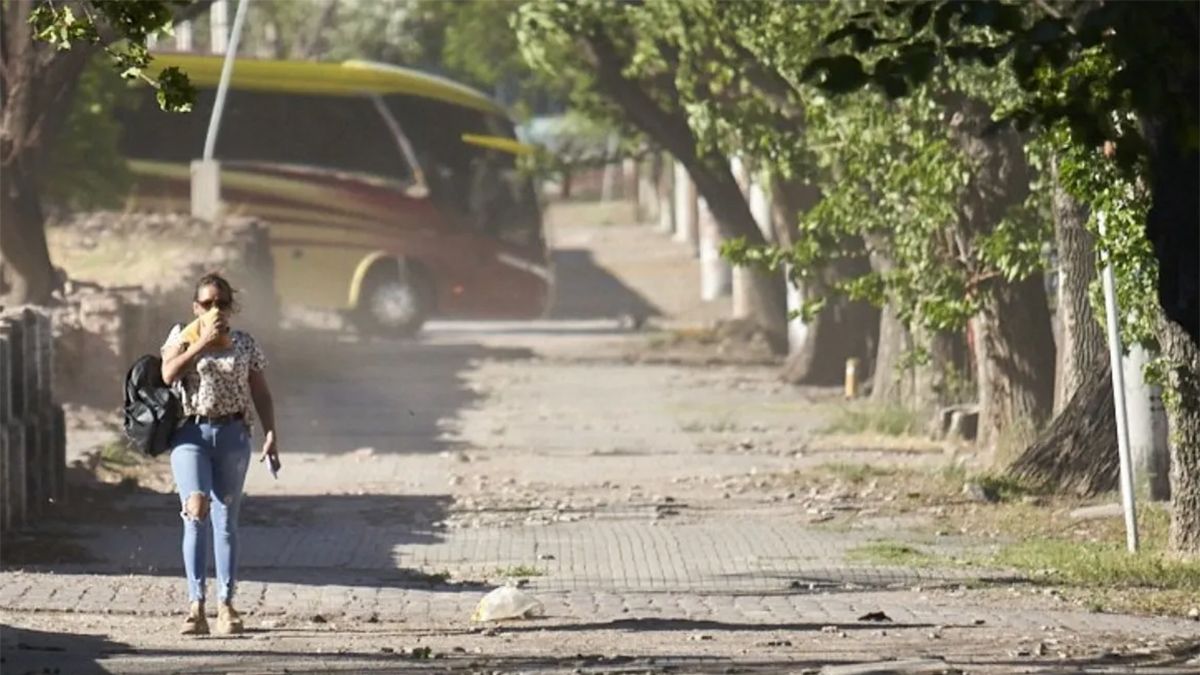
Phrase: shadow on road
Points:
(585, 290)
(34, 651)
(343, 540)
(334, 394)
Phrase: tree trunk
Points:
(1014, 344)
(887, 380)
(940, 380)
(1173, 227)
(1081, 340)
(1183, 410)
(1014, 341)
(26, 275)
(1078, 451)
(667, 124)
(842, 330)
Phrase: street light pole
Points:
(206, 177)
(1118, 384)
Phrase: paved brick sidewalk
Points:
(483, 460)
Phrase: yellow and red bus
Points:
(388, 193)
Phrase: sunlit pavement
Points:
(419, 474)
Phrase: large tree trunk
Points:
(887, 380)
(1078, 451)
(667, 124)
(1015, 346)
(1081, 340)
(26, 275)
(1014, 343)
(1173, 227)
(1183, 410)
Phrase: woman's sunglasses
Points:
(221, 303)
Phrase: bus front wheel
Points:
(391, 302)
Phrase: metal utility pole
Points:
(206, 177)
(1118, 384)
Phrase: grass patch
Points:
(891, 553)
(1002, 487)
(887, 420)
(856, 474)
(1101, 565)
(519, 571)
(117, 454)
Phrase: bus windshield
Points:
(481, 186)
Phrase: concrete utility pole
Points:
(206, 173)
(1148, 441)
(183, 37)
(666, 195)
(715, 271)
(760, 208)
(686, 218)
(608, 182)
(218, 21)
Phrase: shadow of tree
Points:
(33, 651)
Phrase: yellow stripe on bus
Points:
(352, 78)
(499, 143)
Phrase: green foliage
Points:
(122, 28)
(83, 169)
(920, 39)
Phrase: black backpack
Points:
(152, 409)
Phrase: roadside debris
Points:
(506, 602)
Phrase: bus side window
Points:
(342, 133)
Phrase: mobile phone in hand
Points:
(274, 465)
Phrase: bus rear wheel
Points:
(392, 302)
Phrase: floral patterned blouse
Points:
(218, 381)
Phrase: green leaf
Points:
(175, 91)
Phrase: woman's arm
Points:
(260, 391)
(177, 358)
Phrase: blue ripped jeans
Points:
(210, 460)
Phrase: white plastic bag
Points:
(506, 602)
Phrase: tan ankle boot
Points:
(195, 623)
(229, 622)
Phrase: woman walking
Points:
(218, 374)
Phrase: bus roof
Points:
(336, 79)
